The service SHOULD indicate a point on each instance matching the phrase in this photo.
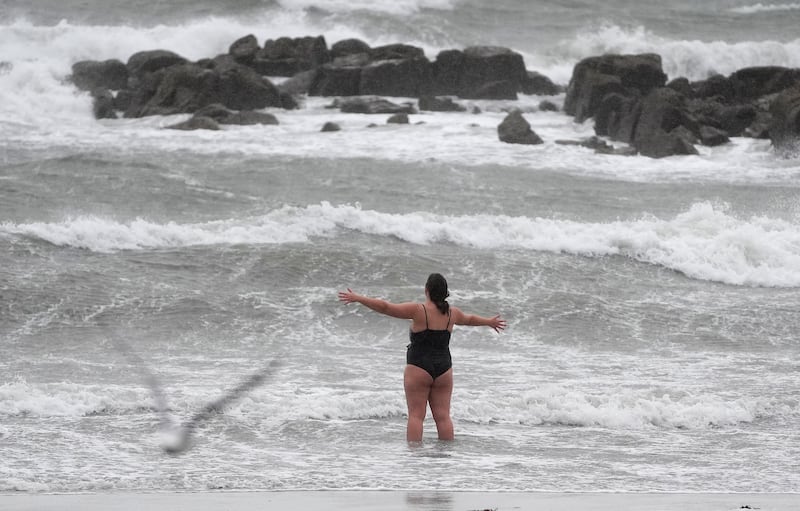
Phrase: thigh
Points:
(417, 383)
(441, 393)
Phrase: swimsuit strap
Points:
(426, 316)
(448, 320)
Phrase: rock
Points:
(682, 86)
(298, 84)
(223, 115)
(287, 56)
(334, 79)
(144, 62)
(516, 130)
(502, 89)
(400, 78)
(349, 47)
(373, 105)
(103, 104)
(186, 88)
(109, 74)
(440, 104)
(596, 143)
(196, 123)
(241, 88)
(250, 118)
(548, 106)
(396, 52)
(751, 83)
(784, 129)
(539, 84)
(594, 77)
(330, 126)
(244, 50)
(401, 118)
(712, 136)
(715, 87)
(182, 88)
(465, 73)
(661, 111)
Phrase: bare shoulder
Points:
(457, 315)
(405, 310)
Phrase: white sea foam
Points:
(552, 404)
(398, 7)
(693, 59)
(706, 242)
(759, 7)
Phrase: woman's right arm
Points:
(496, 322)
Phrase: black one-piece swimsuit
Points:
(430, 349)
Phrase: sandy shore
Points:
(398, 501)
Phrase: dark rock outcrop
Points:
(109, 74)
(440, 104)
(595, 77)
(475, 72)
(223, 115)
(516, 130)
(373, 105)
(196, 123)
(288, 56)
(330, 126)
(144, 62)
(784, 130)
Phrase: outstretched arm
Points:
(395, 310)
(495, 322)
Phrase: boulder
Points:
(711, 136)
(244, 50)
(182, 88)
(373, 105)
(402, 78)
(144, 62)
(547, 106)
(440, 104)
(659, 113)
(539, 84)
(223, 115)
(501, 89)
(349, 47)
(334, 79)
(196, 123)
(514, 129)
(594, 77)
(465, 73)
(241, 88)
(108, 74)
(401, 118)
(288, 56)
(751, 83)
(396, 52)
(330, 126)
(103, 104)
(784, 129)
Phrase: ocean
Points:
(145, 273)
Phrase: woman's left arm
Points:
(395, 310)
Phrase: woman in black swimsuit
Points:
(428, 378)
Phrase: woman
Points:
(428, 376)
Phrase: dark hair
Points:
(437, 291)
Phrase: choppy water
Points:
(652, 304)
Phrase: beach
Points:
(401, 501)
(170, 332)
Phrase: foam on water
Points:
(706, 242)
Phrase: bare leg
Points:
(417, 383)
(441, 392)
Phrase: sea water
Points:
(147, 273)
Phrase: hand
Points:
(347, 296)
(497, 323)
